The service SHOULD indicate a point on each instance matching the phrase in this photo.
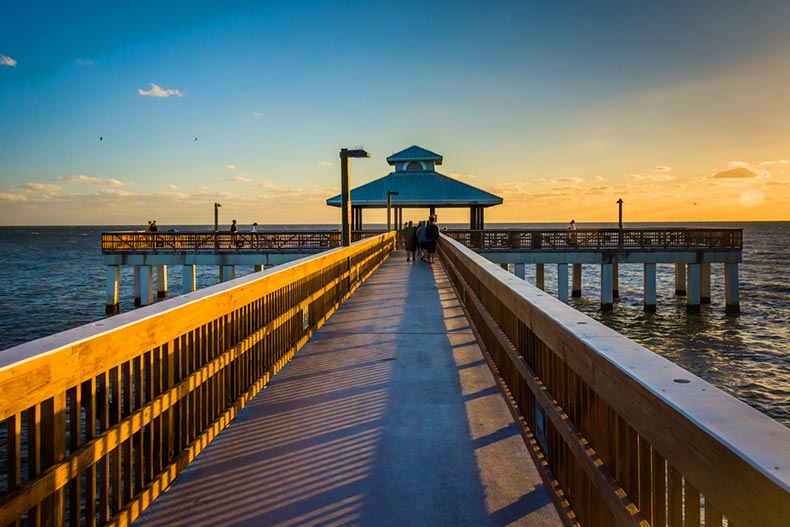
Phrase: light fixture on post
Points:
(216, 216)
(620, 223)
(345, 193)
(390, 193)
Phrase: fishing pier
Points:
(339, 384)
(692, 252)
(500, 405)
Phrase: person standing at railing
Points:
(234, 236)
(572, 233)
(254, 234)
(431, 237)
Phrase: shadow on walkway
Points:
(388, 416)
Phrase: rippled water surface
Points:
(54, 280)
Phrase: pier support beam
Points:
(258, 268)
(704, 297)
(650, 287)
(227, 272)
(562, 282)
(190, 279)
(113, 284)
(732, 300)
(521, 270)
(615, 280)
(607, 300)
(540, 277)
(680, 279)
(693, 299)
(144, 285)
(137, 292)
(576, 289)
(161, 281)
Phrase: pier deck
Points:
(388, 416)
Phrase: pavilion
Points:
(418, 185)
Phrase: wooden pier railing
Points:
(269, 241)
(97, 421)
(600, 239)
(623, 436)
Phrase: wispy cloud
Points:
(84, 63)
(776, 162)
(88, 179)
(741, 170)
(240, 179)
(230, 167)
(41, 187)
(158, 91)
(572, 180)
(4, 196)
(5, 60)
(257, 115)
(324, 164)
(171, 186)
(663, 168)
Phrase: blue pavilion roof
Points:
(414, 153)
(418, 189)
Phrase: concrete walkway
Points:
(389, 416)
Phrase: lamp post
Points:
(390, 193)
(345, 193)
(216, 216)
(620, 223)
(216, 225)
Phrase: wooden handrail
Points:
(600, 239)
(627, 437)
(95, 422)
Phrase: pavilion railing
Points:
(621, 435)
(97, 421)
(600, 239)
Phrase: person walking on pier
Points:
(420, 236)
(409, 235)
(431, 237)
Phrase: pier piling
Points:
(731, 294)
(693, 298)
(161, 281)
(190, 281)
(607, 300)
(113, 284)
(562, 282)
(680, 279)
(576, 290)
(650, 287)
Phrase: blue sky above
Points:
(558, 108)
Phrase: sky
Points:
(118, 114)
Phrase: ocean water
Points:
(54, 279)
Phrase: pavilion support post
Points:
(161, 281)
(607, 300)
(521, 270)
(190, 279)
(650, 287)
(704, 297)
(693, 299)
(146, 285)
(576, 290)
(137, 287)
(732, 300)
(680, 279)
(227, 272)
(562, 282)
(113, 283)
(540, 276)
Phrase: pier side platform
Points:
(389, 415)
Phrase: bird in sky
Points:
(101, 139)
(195, 140)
